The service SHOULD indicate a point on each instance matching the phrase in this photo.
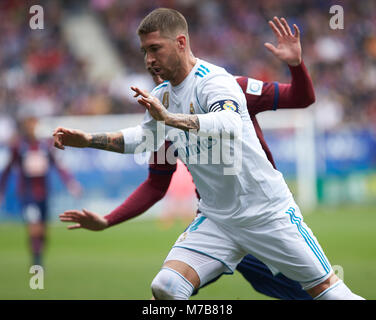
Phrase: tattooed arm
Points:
(113, 141)
(183, 121)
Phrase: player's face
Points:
(161, 55)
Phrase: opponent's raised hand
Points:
(288, 47)
(84, 219)
(70, 137)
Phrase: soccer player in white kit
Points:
(246, 206)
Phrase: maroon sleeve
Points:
(297, 94)
(147, 194)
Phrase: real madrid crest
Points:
(229, 105)
(165, 100)
(191, 109)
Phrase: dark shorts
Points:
(34, 211)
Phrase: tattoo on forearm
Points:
(108, 141)
(98, 141)
(184, 122)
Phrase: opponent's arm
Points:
(145, 196)
(299, 93)
(272, 95)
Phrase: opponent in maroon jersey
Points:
(33, 158)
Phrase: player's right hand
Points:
(84, 219)
(156, 109)
(70, 137)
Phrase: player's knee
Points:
(36, 229)
(338, 291)
(171, 285)
(334, 289)
(160, 288)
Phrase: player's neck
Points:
(184, 70)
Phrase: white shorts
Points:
(283, 242)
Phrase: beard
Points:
(173, 67)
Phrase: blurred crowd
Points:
(39, 72)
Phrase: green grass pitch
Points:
(120, 263)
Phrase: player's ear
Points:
(181, 40)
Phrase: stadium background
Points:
(77, 71)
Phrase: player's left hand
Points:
(151, 103)
(288, 48)
(84, 219)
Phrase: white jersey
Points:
(236, 182)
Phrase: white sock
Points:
(338, 291)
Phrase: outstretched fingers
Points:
(281, 28)
(140, 92)
(145, 98)
(142, 101)
(270, 47)
(286, 26)
(73, 216)
(75, 226)
(88, 213)
(275, 29)
(297, 31)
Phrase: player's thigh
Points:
(286, 244)
(205, 248)
(184, 269)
